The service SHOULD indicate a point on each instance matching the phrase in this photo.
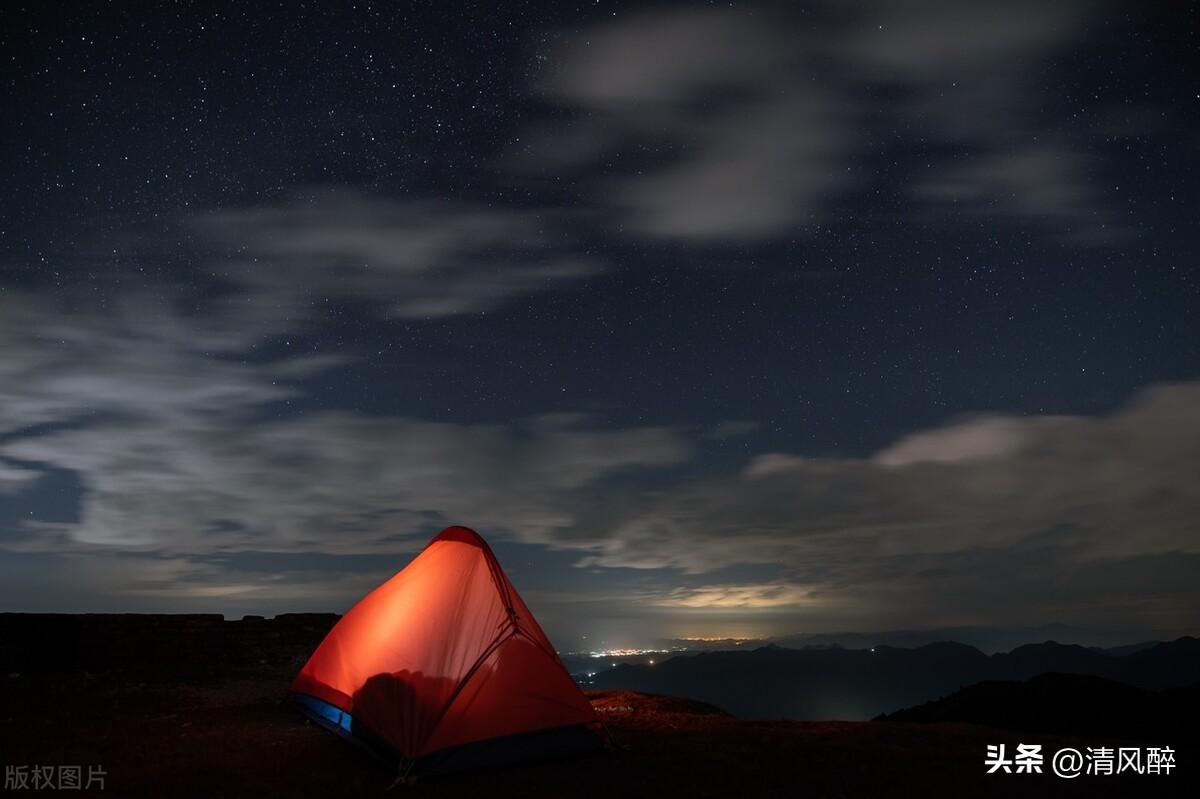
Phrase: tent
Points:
(443, 668)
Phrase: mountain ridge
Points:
(809, 684)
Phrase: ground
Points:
(227, 730)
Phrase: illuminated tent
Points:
(444, 668)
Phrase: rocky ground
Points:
(196, 706)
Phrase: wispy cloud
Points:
(749, 123)
(170, 432)
(414, 259)
(175, 451)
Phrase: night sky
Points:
(715, 320)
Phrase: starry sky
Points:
(742, 319)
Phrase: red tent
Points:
(444, 667)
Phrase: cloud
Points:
(181, 443)
(121, 582)
(163, 402)
(996, 511)
(974, 439)
(14, 478)
(1045, 181)
(988, 481)
(416, 259)
(745, 147)
(328, 482)
(928, 39)
(756, 596)
(740, 124)
(180, 450)
(181, 446)
(63, 361)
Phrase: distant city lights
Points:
(625, 653)
(718, 639)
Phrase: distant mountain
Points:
(1067, 704)
(1129, 649)
(775, 682)
(986, 639)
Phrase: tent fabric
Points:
(444, 654)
